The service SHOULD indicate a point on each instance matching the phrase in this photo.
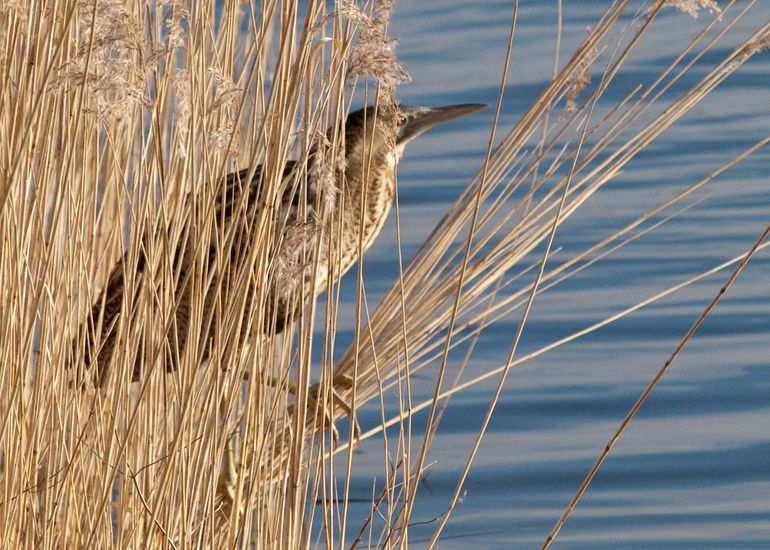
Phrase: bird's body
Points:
(343, 211)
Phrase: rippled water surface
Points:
(693, 469)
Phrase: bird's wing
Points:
(105, 317)
(236, 207)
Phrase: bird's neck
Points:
(367, 193)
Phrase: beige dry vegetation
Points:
(117, 120)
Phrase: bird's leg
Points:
(228, 475)
(337, 400)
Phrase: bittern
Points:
(365, 185)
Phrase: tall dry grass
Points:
(119, 122)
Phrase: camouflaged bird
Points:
(363, 188)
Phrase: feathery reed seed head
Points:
(692, 7)
(176, 12)
(110, 64)
(180, 83)
(292, 263)
(580, 78)
(373, 55)
(227, 96)
(323, 172)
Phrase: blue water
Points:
(693, 469)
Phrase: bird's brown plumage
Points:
(363, 193)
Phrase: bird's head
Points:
(374, 142)
(379, 133)
(414, 121)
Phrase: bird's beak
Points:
(417, 120)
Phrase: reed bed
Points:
(119, 121)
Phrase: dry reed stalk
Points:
(501, 241)
(512, 241)
(117, 120)
(643, 397)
